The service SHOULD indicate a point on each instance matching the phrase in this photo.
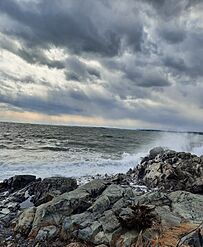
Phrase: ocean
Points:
(46, 151)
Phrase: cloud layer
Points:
(119, 63)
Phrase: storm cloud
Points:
(135, 61)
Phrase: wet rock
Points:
(156, 198)
(169, 171)
(109, 221)
(155, 151)
(17, 182)
(111, 212)
(45, 190)
(168, 217)
(47, 232)
(24, 223)
(76, 201)
(112, 194)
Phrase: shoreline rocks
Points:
(45, 190)
(111, 211)
(170, 171)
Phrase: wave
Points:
(90, 164)
(55, 149)
(107, 136)
(74, 169)
(11, 147)
(3, 146)
(180, 142)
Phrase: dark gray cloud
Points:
(136, 60)
(175, 63)
(168, 9)
(77, 70)
(154, 81)
(71, 24)
(37, 56)
(32, 55)
(172, 34)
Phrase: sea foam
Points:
(89, 164)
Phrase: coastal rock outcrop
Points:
(113, 211)
(170, 171)
(113, 215)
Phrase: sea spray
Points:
(79, 151)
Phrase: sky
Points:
(128, 64)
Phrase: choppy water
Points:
(81, 151)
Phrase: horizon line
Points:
(106, 127)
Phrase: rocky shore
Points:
(158, 203)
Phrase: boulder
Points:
(112, 194)
(187, 205)
(47, 232)
(109, 221)
(17, 182)
(155, 151)
(24, 222)
(51, 213)
(76, 201)
(73, 223)
(168, 217)
(156, 198)
(45, 190)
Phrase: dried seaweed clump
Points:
(139, 217)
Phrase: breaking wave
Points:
(53, 160)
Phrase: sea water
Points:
(46, 151)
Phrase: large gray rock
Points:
(109, 221)
(155, 151)
(24, 223)
(156, 198)
(169, 171)
(45, 190)
(176, 206)
(51, 213)
(76, 201)
(187, 205)
(112, 194)
(99, 224)
(47, 233)
(17, 182)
